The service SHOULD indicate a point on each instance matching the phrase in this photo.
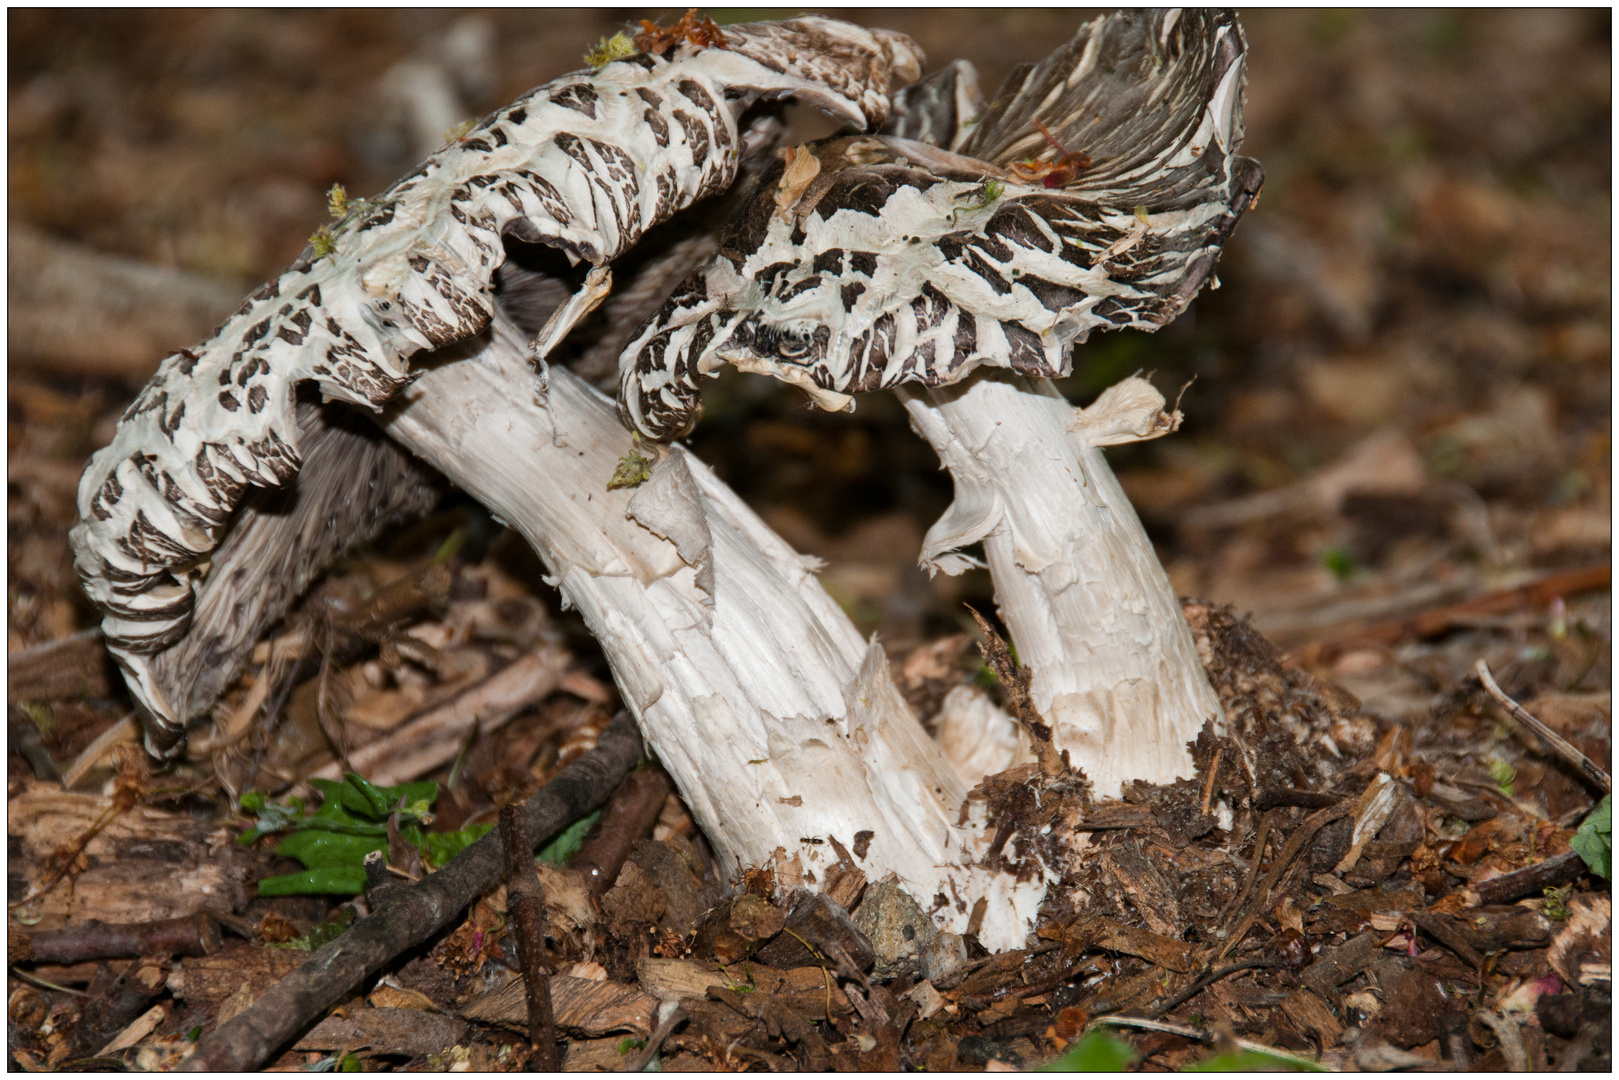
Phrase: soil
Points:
(1396, 462)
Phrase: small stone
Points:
(943, 958)
(896, 924)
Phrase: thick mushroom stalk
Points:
(586, 164)
(1113, 668)
(1094, 193)
(778, 722)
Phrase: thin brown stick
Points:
(191, 935)
(1261, 836)
(1436, 620)
(631, 814)
(1208, 785)
(1301, 836)
(676, 1017)
(405, 918)
(525, 899)
(1564, 749)
(1557, 870)
(1207, 981)
(1205, 1035)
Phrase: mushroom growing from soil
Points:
(778, 722)
(1095, 192)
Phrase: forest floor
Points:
(1396, 463)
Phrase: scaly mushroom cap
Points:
(878, 260)
(586, 163)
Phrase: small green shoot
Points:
(1339, 561)
(987, 195)
(629, 1046)
(1556, 903)
(194, 1034)
(459, 132)
(618, 47)
(1594, 839)
(350, 1063)
(1502, 774)
(634, 469)
(1099, 1051)
(321, 241)
(1141, 214)
(337, 201)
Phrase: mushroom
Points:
(585, 164)
(1094, 193)
(779, 723)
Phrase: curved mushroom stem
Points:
(779, 724)
(1114, 670)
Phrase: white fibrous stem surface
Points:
(1091, 613)
(780, 725)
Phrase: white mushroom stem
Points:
(779, 724)
(1091, 613)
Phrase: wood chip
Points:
(1153, 897)
(196, 861)
(143, 1025)
(1310, 1014)
(1166, 952)
(584, 1006)
(388, 1031)
(434, 737)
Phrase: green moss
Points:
(618, 47)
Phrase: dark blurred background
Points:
(1403, 386)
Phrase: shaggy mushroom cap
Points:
(585, 164)
(1094, 193)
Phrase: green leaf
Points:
(566, 843)
(1100, 1051)
(1252, 1061)
(350, 1063)
(1502, 772)
(343, 880)
(360, 796)
(318, 847)
(1594, 839)
(440, 848)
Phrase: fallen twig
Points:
(408, 917)
(676, 1016)
(1565, 749)
(1300, 837)
(1557, 870)
(126, 730)
(1202, 1036)
(1207, 981)
(526, 902)
(1261, 836)
(632, 812)
(193, 935)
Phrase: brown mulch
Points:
(1397, 462)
